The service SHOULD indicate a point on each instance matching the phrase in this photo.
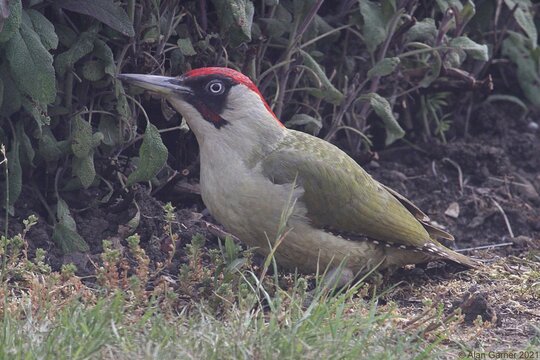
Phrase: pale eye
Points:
(215, 87)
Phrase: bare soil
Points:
(494, 178)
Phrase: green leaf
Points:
(274, 28)
(236, 19)
(280, 23)
(374, 30)
(31, 65)
(422, 31)
(468, 11)
(44, 28)
(122, 106)
(384, 67)
(477, 51)
(186, 47)
(81, 144)
(65, 230)
(63, 214)
(83, 46)
(152, 156)
(108, 126)
(11, 100)
(445, 4)
(327, 90)
(38, 114)
(432, 67)
(151, 36)
(509, 98)
(93, 70)
(434, 71)
(97, 138)
(324, 28)
(27, 151)
(524, 17)
(13, 22)
(312, 125)
(103, 52)
(384, 111)
(66, 35)
(69, 240)
(105, 11)
(84, 169)
(518, 48)
(454, 58)
(51, 149)
(135, 221)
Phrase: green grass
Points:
(336, 327)
(218, 307)
(221, 306)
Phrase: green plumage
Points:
(341, 196)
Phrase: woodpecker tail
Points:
(448, 254)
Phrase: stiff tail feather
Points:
(443, 252)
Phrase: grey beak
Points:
(163, 85)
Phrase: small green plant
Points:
(14, 252)
(39, 264)
(170, 220)
(432, 111)
(138, 280)
(68, 270)
(108, 275)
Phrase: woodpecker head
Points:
(216, 102)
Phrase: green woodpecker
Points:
(253, 168)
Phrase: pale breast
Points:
(248, 204)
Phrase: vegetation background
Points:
(93, 263)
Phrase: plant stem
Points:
(294, 40)
(3, 245)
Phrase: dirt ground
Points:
(482, 188)
(494, 178)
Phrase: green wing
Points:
(339, 195)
